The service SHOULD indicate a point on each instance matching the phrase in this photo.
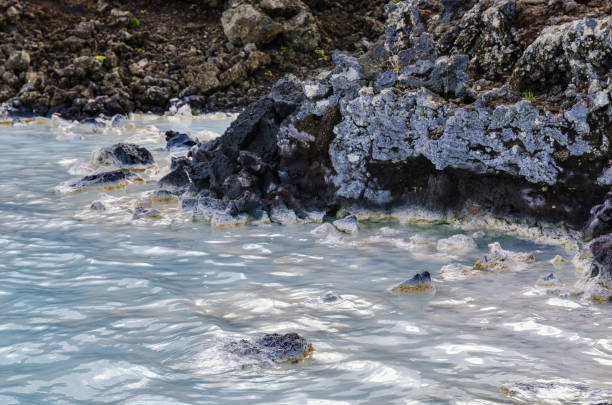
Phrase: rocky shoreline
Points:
(500, 107)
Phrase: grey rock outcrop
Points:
(412, 122)
(577, 52)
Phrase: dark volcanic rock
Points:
(602, 255)
(125, 155)
(420, 283)
(111, 179)
(275, 348)
(600, 222)
(174, 140)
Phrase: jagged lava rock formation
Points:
(432, 116)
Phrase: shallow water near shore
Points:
(100, 308)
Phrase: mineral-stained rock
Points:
(456, 271)
(146, 213)
(499, 259)
(104, 180)
(283, 215)
(456, 243)
(227, 220)
(419, 284)
(551, 284)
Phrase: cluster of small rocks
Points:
(107, 57)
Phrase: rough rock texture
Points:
(415, 121)
(85, 59)
(123, 155)
(275, 348)
(349, 224)
(244, 24)
(261, 22)
(597, 283)
(105, 180)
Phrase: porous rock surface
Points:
(273, 347)
(435, 114)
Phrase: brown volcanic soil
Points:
(172, 35)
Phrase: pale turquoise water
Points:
(99, 309)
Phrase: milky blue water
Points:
(98, 308)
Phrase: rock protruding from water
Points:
(123, 155)
(499, 259)
(348, 224)
(556, 392)
(112, 180)
(419, 284)
(596, 285)
(274, 348)
(177, 141)
(456, 243)
(600, 222)
(456, 271)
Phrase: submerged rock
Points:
(141, 212)
(456, 271)
(556, 392)
(226, 220)
(123, 155)
(557, 260)
(456, 243)
(499, 259)
(105, 180)
(552, 284)
(324, 230)
(419, 284)
(275, 348)
(349, 224)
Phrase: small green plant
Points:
(134, 78)
(322, 55)
(134, 22)
(528, 96)
(268, 73)
(100, 59)
(143, 11)
(285, 49)
(140, 50)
